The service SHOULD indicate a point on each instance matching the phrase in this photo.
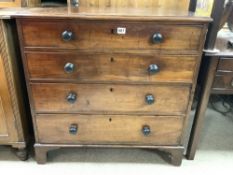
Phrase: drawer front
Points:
(225, 65)
(92, 98)
(103, 35)
(104, 67)
(85, 129)
(223, 82)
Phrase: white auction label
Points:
(121, 30)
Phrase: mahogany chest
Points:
(110, 79)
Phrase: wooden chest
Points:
(113, 80)
(13, 113)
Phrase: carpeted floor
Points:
(215, 154)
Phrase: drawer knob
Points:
(71, 97)
(146, 130)
(157, 38)
(75, 3)
(232, 83)
(150, 99)
(153, 69)
(73, 129)
(69, 68)
(67, 35)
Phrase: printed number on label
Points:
(121, 31)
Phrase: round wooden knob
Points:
(150, 99)
(157, 38)
(75, 3)
(69, 68)
(67, 35)
(153, 69)
(146, 130)
(73, 129)
(71, 97)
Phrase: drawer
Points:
(225, 65)
(116, 129)
(114, 67)
(104, 98)
(94, 35)
(223, 82)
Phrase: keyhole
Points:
(112, 59)
(111, 89)
(110, 119)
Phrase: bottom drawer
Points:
(115, 129)
(223, 82)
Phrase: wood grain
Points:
(110, 78)
(12, 107)
(174, 153)
(162, 4)
(10, 132)
(225, 65)
(31, 3)
(208, 74)
(100, 98)
(109, 67)
(3, 124)
(10, 3)
(99, 35)
(223, 82)
(116, 14)
(100, 129)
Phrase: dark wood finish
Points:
(230, 19)
(225, 65)
(115, 129)
(192, 5)
(13, 121)
(175, 153)
(98, 98)
(41, 152)
(176, 156)
(105, 14)
(22, 154)
(216, 48)
(120, 98)
(219, 72)
(217, 79)
(108, 67)
(100, 35)
(226, 13)
(223, 82)
(217, 13)
(201, 108)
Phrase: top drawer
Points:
(97, 35)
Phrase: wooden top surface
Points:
(222, 44)
(150, 14)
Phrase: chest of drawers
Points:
(112, 80)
